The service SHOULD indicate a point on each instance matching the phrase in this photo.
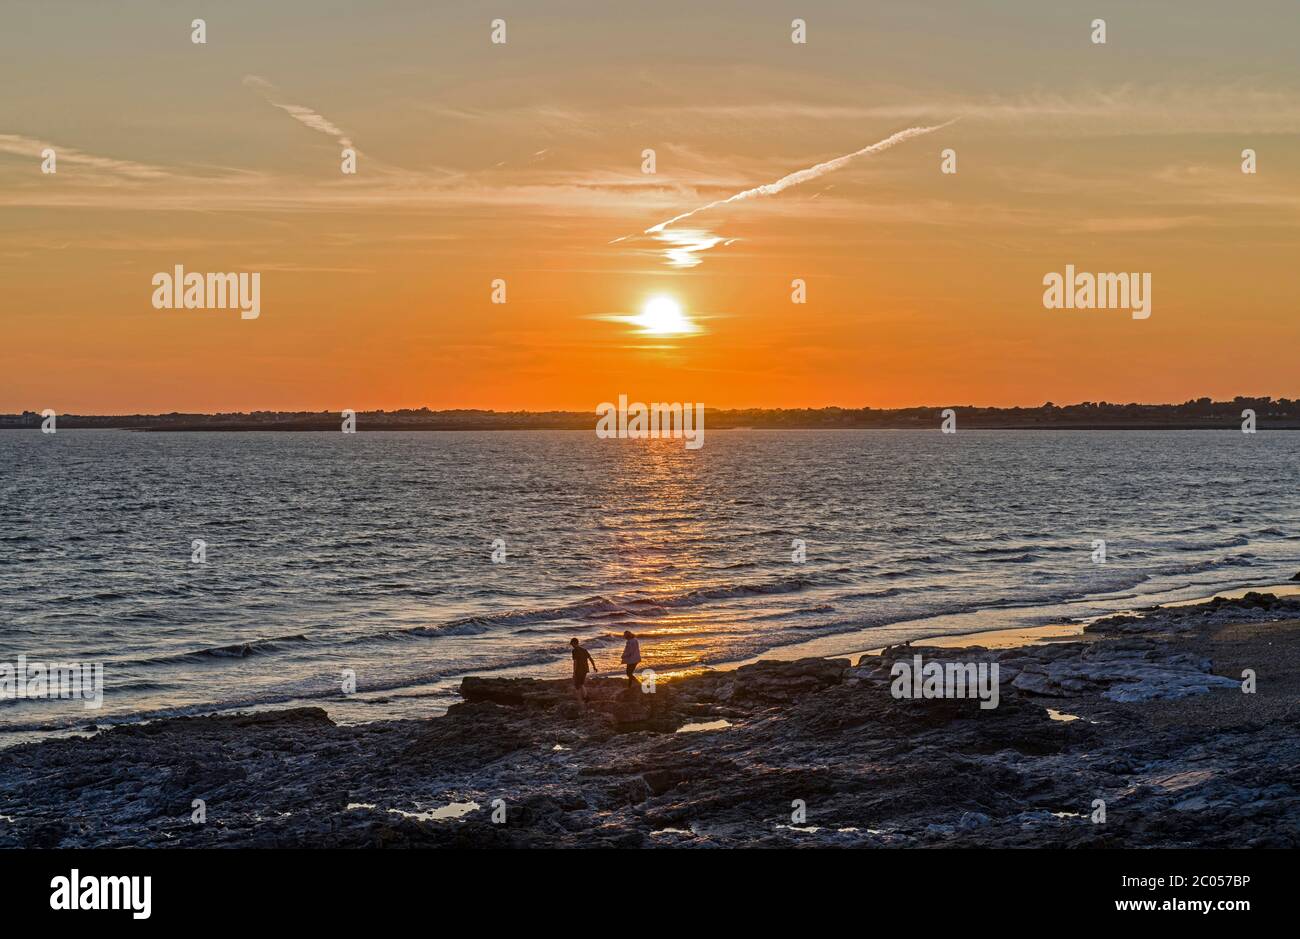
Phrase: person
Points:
(580, 659)
(631, 656)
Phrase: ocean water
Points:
(373, 552)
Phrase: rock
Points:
(784, 681)
(660, 781)
(515, 691)
(1038, 682)
(1121, 671)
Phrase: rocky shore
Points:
(1145, 713)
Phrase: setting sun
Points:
(663, 316)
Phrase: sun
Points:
(663, 316)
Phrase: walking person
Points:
(631, 657)
(581, 658)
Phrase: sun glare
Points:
(663, 316)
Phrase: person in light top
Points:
(631, 656)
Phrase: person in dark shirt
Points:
(581, 657)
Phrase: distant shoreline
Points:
(435, 428)
(1266, 413)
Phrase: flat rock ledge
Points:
(1147, 715)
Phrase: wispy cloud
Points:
(30, 147)
(686, 243)
(804, 175)
(1102, 110)
(303, 115)
(1121, 109)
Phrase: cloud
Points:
(30, 147)
(1104, 111)
(685, 243)
(804, 175)
(305, 116)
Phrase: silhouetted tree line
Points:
(1201, 412)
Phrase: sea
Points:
(368, 573)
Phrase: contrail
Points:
(802, 176)
(306, 116)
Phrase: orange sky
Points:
(523, 162)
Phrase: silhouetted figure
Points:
(631, 656)
(581, 657)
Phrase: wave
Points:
(801, 611)
(592, 609)
(234, 650)
(785, 585)
(1235, 542)
(1022, 549)
(1197, 567)
(878, 594)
